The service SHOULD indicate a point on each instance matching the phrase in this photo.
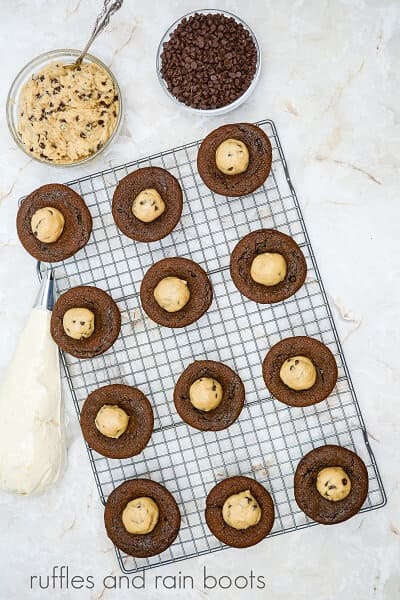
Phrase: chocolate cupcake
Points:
(175, 292)
(142, 518)
(331, 484)
(267, 266)
(300, 371)
(147, 204)
(85, 321)
(239, 512)
(117, 421)
(53, 223)
(235, 160)
(209, 395)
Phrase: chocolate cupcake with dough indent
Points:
(267, 266)
(209, 395)
(175, 292)
(240, 512)
(300, 371)
(53, 223)
(142, 518)
(117, 421)
(147, 204)
(331, 484)
(235, 160)
(85, 321)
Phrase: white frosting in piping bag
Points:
(32, 440)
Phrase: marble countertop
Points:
(330, 81)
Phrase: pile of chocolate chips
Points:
(208, 61)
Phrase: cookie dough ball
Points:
(333, 483)
(47, 224)
(232, 157)
(140, 515)
(298, 373)
(268, 268)
(241, 510)
(172, 294)
(78, 323)
(205, 393)
(112, 421)
(148, 206)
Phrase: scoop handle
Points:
(109, 8)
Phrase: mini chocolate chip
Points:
(100, 122)
(82, 134)
(82, 322)
(344, 481)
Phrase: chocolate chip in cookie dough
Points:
(209, 60)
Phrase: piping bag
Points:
(32, 436)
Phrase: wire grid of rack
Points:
(269, 438)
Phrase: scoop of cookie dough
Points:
(78, 323)
(47, 224)
(140, 515)
(148, 205)
(268, 268)
(172, 293)
(298, 373)
(205, 393)
(241, 510)
(232, 157)
(112, 421)
(333, 483)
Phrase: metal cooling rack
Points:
(269, 438)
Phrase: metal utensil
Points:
(109, 8)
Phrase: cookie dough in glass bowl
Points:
(61, 115)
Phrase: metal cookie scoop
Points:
(109, 8)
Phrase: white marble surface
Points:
(330, 80)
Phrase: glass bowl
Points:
(228, 107)
(36, 65)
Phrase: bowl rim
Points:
(227, 107)
(22, 77)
